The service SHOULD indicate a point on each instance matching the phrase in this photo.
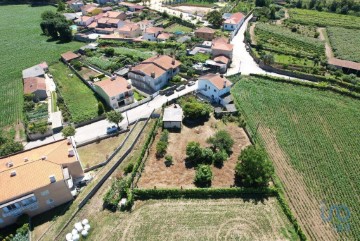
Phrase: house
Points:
(102, 2)
(116, 91)
(205, 33)
(115, 15)
(220, 46)
(68, 56)
(84, 21)
(90, 9)
(37, 180)
(35, 71)
(75, 5)
(214, 86)
(36, 86)
(144, 24)
(234, 22)
(71, 16)
(221, 59)
(163, 37)
(110, 23)
(152, 74)
(151, 33)
(173, 116)
(129, 30)
(131, 6)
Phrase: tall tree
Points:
(221, 140)
(68, 131)
(215, 18)
(114, 117)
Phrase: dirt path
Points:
(305, 206)
(328, 51)
(252, 33)
(280, 21)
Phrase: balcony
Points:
(17, 207)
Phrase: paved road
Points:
(99, 128)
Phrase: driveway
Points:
(99, 128)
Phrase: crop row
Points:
(282, 39)
(318, 131)
(345, 43)
(323, 19)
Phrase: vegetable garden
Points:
(345, 43)
(313, 138)
(323, 19)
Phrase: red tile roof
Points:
(217, 80)
(235, 18)
(222, 59)
(149, 69)
(129, 27)
(68, 56)
(163, 61)
(204, 30)
(153, 30)
(164, 36)
(33, 84)
(113, 87)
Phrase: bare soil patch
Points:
(156, 174)
(193, 9)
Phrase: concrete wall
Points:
(172, 124)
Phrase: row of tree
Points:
(335, 6)
(56, 26)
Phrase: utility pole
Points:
(127, 118)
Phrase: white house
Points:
(116, 91)
(144, 24)
(215, 87)
(151, 33)
(173, 116)
(234, 22)
(152, 74)
(75, 5)
(84, 20)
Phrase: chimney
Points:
(173, 61)
(113, 77)
(71, 152)
(152, 74)
(43, 158)
(13, 173)
(9, 164)
(52, 179)
(222, 76)
(224, 83)
(69, 141)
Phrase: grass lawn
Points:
(175, 28)
(134, 52)
(53, 101)
(313, 138)
(138, 96)
(86, 73)
(292, 60)
(22, 46)
(221, 219)
(80, 99)
(97, 152)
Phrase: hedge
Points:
(204, 193)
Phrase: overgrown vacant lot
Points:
(313, 138)
(157, 174)
(80, 99)
(323, 19)
(22, 46)
(175, 28)
(231, 219)
(345, 43)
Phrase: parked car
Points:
(111, 130)
(191, 83)
(181, 87)
(169, 92)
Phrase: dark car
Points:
(111, 130)
(169, 92)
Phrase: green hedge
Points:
(203, 193)
(319, 86)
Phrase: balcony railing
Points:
(19, 211)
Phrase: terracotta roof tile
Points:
(149, 69)
(153, 30)
(235, 18)
(113, 87)
(204, 30)
(69, 56)
(163, 61)
(217, 80)
(32, 84)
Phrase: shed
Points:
(173, 116)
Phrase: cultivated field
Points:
(223, 219)
(157, 174)
(345, 43)
(22, 46)
(313, 138)
(323, 19)
(80, 99)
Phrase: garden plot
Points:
(157, 174)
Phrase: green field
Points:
(178, 28)
(345, 43)
(323, 19)
(283, 40)
(80, 99)
(313, 137)
(22, 46)
(134, 52)
(223, 219)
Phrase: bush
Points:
(129, 168)
(207, 156)
(219, 158)
(109, 52)
(101, 108)
(203, 176)
(194, 109)
(161, 146)
(221, 140)
(176, 79)
(193, 152)
(253, 168)
(168, 160)
(68, 131)
(77, 65)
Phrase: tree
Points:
(114, 117)
(193, 151)
(268, 59)
(161, 147)
(207, 156)
(194, 109)
(61, 6)
(109, 52)
(101, 108)
(253, 168)
(68, 131)
(219, 158)
(215, 18)
(272, 13)
(221, 140)
(77, 65)
(203, 176)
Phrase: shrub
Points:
(207, 156)
(219, 158)
(176, 79)
(203, 176)
(68, 131)
(101, 108)
(77, 65)
(221, 140)
(253, 168)
(168, 160)
(193, 151)
(129, 168)
(194, 109)
(161, 149)
(109, 52)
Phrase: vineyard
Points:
(283, 40)
(323, 19)
(313, 138)
(22, 46)
(345, 43)
(80, 100)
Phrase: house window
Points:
(225, 26)
(45, 193)
(214, 90)
(232, 26)
(206, 86)
(49, 201)
(28, 201)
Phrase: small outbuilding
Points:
(173, 116)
